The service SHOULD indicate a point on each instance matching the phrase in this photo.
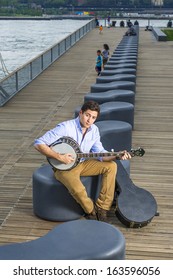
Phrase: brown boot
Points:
(103, 215)
(93, 215)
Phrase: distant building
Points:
(81, 2)
(157, 2)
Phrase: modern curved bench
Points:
(115, 135)
(120, 52)
(111, 95)
(117, 77)
(124, 55)
(128, 42)
(128, 85)
(124, 47)
(119, 111)
(118, 71)
(115, 110)
(120, 65)
(75, 240)
(51, 199)
(114, 62)
(118, 57)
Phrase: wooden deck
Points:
(52, 98)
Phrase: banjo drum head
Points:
(63, 148)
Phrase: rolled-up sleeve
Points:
(51, 136)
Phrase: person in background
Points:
(169, 24)
(109, 21)
(129, 23)
(105, 54)
(136, 22)
(100, 29)
(122, 24)
(83, 130)
(131, 31)
(96, 22)
(99, 62)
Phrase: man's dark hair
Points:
(91, 105)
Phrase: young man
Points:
(86, 134)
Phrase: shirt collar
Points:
(79, 125)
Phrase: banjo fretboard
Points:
(96, 155)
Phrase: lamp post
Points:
(72, 9)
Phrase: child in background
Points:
(99, 62)
(105, 54)
(100, 29)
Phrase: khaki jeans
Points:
(71, 179)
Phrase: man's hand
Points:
(125, 155)
(66, 158)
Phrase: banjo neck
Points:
(96, 155)
(134, 152)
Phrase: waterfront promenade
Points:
(52, 98)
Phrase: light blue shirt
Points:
(72, 128)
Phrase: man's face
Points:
(87, 118)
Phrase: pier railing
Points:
(21, 77)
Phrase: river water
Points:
(22, 40)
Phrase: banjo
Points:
(68, 145)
